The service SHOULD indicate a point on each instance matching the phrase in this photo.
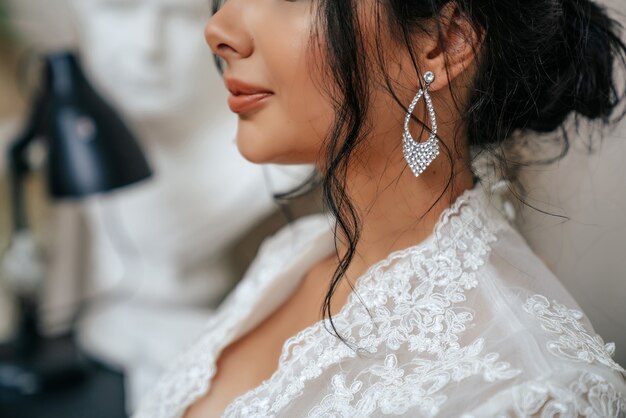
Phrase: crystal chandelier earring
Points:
(419, 155)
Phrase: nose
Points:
(226, 32)
(148, 34)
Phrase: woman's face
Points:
(270, 71)
(279, 79)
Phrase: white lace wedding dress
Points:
(468, 323)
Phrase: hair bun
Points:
(578, 67)
(547, 59)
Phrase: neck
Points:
(396, 209)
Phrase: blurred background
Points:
(127, 212)
(104, 280)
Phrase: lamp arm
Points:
(18, 164)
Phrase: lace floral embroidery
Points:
(573, 341)
(396, 390)
(412, 298)
(189, 377)
(589, 396)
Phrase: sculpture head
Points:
(148, 56)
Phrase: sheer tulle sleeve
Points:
(579, 394)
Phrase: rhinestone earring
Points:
(419, 156)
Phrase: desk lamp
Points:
(90, 151)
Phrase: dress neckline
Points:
(475, 198)
(226, 325)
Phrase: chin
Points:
(257, 151)
(260, 150)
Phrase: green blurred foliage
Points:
(5, 31)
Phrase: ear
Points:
(452, 47)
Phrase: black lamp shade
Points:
(90, 148)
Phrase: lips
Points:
(245, 97)
(246, 102)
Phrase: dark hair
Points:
(540, 61)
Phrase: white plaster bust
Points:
(149, 58)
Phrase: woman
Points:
(433, 305)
